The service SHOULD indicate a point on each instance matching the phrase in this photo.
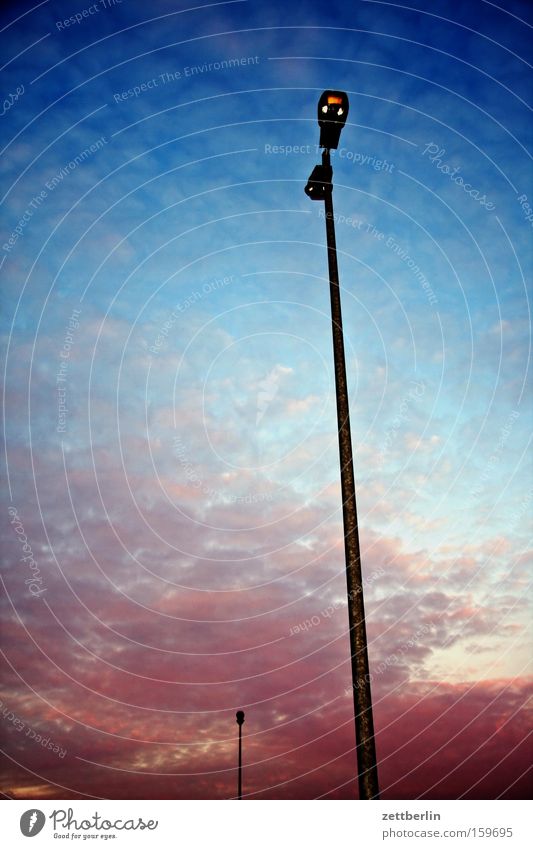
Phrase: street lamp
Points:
(240, 720)
(332, 112)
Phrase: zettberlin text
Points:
(407, 815)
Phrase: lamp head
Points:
(333, 109)
(319, 183)
(240, 717)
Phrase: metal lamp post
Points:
(332, 112)
(240, 720)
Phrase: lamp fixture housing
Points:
(333, 107)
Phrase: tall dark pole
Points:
(364, 724)
(240, 720)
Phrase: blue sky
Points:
(170, 427)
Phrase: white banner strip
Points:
(267, 824)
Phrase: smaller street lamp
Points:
(240, 721)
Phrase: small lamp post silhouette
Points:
(332, 113)
(240, 721)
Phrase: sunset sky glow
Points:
(171, 451)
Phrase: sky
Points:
(172, 540)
